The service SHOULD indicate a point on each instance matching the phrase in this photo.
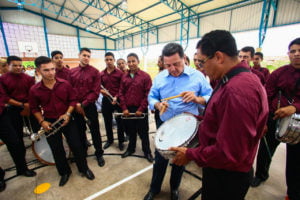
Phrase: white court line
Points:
(119, 183)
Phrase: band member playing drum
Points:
(134, 89)
(13, 142)
(233, 122)
(85, 79)
(287, 80)
(57, 60)
(57, 99)
(192, 90)
(110, 79)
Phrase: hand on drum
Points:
(162, 107)
(66, 119)
(25, 111)
(180, 159)
(284, 112)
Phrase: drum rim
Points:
(38, 157)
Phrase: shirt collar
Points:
(186, 71)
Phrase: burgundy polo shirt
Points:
(86, 82)
(134, 91)
(259, 74)
(54, 102)
(63, 73)
(233, 124)
(284, 78)
(2, 99)
(264, 71)
(111, 81)
(16, 86)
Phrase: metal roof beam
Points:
(88, 5)
(62, 7)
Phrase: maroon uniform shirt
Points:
(63, 73)
(134, 91)
(233, 124)
(16, 86)
(86, 82)
(284, 78)
(259, 74)
(111, 81)
(2, 99)
(54, 102)
(264, 71)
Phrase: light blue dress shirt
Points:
(166, 85)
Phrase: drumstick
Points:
(173, 97)
(163, 109)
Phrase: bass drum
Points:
(43, 153)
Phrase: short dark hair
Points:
(41, 60)
(84, 49)
(260, 54)
(295, 41)
(249, 49)
(12, 58)
(53, 53)
(171, 49)
(134, 55)
(121, 59)
(109, 54)
(218, 40)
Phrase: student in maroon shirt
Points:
(246, 55)
(110, 79)
(287, 80)
(121, 64)
(85, 79)
(233, 121)
(133, 93)
(3, 67)
(257, 59)
(57, 60)
(57, 99)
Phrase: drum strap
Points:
(225, 79)
(288, 97)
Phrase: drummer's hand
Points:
(162, 106)
(79, 109)
(180, 159)
(284, 112)
(114, 101)
(46, 126)
(126, 113)
(26, 110)
(66, 119)
(138, 113)
(103, 92)
(191, 97)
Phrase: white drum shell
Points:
(289, 129)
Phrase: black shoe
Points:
(28, 173)
(121, 146)
(106, 145)
(2, 182)
(88, 144)
(149, 196)
(89, 174)
(126, 138)
(101, 161)
(256, 181)
(149, 157)
(64, 179)
(127, 153)
(174, 195)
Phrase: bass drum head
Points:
(177, 131)
(43, 153)
(283, 126)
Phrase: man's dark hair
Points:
(12, 58)
(295, 41)
(171, 49)
(218, 40)
(53, 53)
(249, 49)
(41, 60)
(134, 55)
(260, 54)
(109, 54)
(121, 59)
(84, 49)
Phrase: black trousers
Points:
(107, 112)
(92, 114)
(140, 127)
(13, 141)
(1, 174)
(292, 171)
(264, 155)
(55, 142)
(223, 184)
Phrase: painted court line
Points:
(119, 183)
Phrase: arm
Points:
(147, 86)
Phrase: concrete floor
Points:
(121, 179)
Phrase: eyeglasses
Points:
(202, 62)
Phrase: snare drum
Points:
(179, 131)
(288, 130)
(43, 153)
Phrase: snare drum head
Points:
(176, 131)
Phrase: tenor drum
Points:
(179, 131)
(288, 130)
(43, 153)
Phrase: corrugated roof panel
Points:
(137, 40)
(167, 34)
(288, 12)
(215, 4)
(155, 12)
(57, 28)
(166, 19)
(137, 5)
(192, 2)
(213, 22)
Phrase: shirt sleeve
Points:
(122, 94)
(154, 96)
(94, 92)
(147, 87)
(205, 89)
(4, 93)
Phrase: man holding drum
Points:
(193, 89)
(233, 122)
(287, 80)
(53, 99)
